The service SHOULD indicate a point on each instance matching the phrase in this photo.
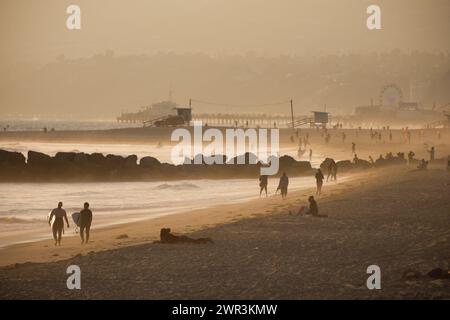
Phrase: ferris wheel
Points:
(390, 95)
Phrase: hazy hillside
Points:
(105, 84)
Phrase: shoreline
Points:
(262, 251)
(105, 238)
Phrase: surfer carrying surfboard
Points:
(85, 222)
(56, 221)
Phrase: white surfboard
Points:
(48, 218)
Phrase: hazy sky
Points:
(35, 30)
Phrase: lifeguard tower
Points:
(319, 119)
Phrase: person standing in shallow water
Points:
(58, 225)
(85, 222)
(319, 181)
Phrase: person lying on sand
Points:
(167, 237)
(313, 209)
(58, 225)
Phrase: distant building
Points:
(155, 111)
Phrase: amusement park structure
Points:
(392, 108)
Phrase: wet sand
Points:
(396, 218)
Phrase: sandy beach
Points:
(395, 218)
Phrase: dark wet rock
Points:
(247, 158)
(344, 165)
(131, 161)
(149, 162)
(287, 161)
(362, 164)
(326, 164)
(65, 157)
(115, 161)
(38, 159)
(81, 158)
(390, 162)
(11, 158)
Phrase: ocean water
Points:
(24, 206)
(37, 124)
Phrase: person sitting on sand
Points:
(263, 184)
(319, 181)
(85, 222)
(283, 185)
(313, 209)
(423, 165)
(58, 225)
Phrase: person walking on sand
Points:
(353, 148)
(283, 185)
(85, 222)
(263, 184)
(431, 152)
(58, 225)
(319, 181)
(332, 171)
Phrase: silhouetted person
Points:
(353, 147)
(332, 170)
(283, 185)
(319, 181)
(423, 165)
(85, 222)
(431, 152)
(310, 155)
(355, 158)
(312, 210)
(58, 225)
(263, 184)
